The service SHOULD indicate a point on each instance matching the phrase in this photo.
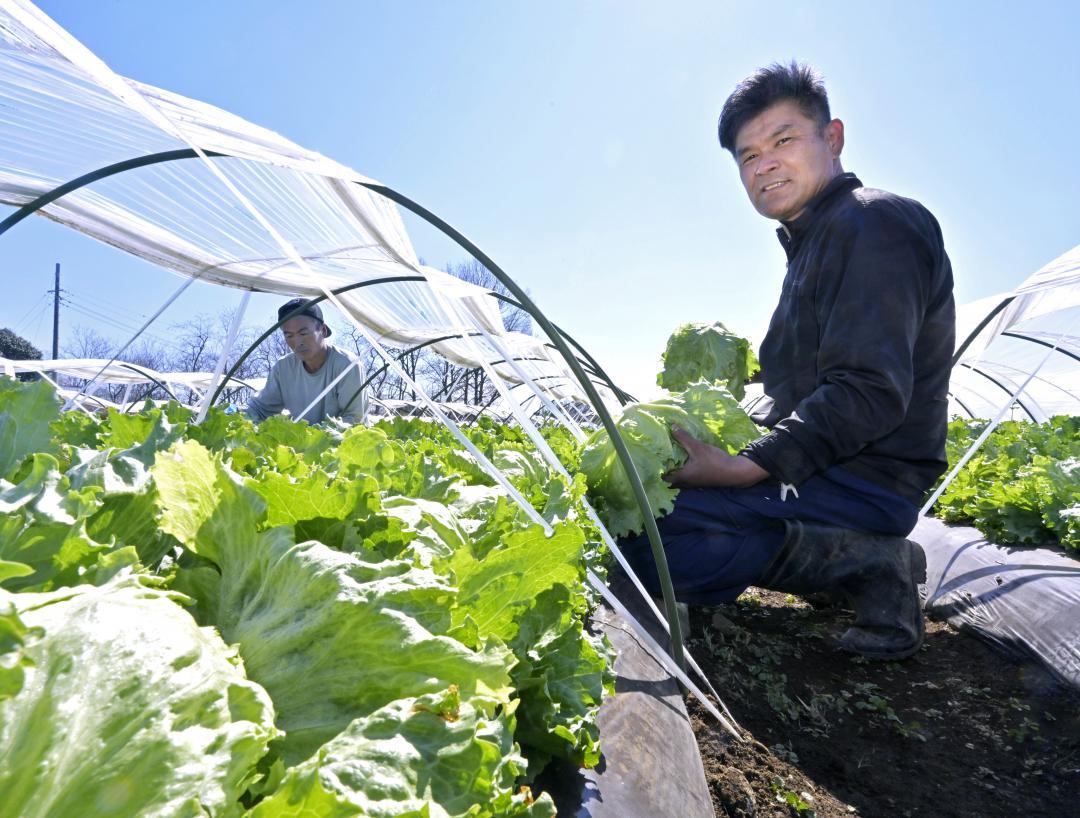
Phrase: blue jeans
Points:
(719, 541)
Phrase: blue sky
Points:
(575, 141)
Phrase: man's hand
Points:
(708, 466)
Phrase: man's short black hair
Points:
(765, 87)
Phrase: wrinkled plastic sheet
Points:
(651, 766)
(1023, 600)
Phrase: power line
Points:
(106, 312)
(41, 317)
(103, 305)
(120, 323)
(31, 313)
(114, 323)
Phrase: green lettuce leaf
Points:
(13, 658)
(709, 413)
(526, 591)
(77, 429)
(128, 512)
(1022, 486)
(128, 708)
(141, 435)
(330, 637)
(710, 353)
(562, 677)
(495, 590)
(43, 528)
(346, 514)
(435, 529)
(26, 412)
(431, 756)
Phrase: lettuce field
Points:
(286, 620)
(223, 619)
(1022, 487)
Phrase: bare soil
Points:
(957, 730)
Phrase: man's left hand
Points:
(708, 466)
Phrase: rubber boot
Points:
(878, 575)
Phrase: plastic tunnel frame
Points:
(1022, 337)
(523, 299)
(187, 153)
(1002, 387)
(586, 383)
(387, 280)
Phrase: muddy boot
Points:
(878, 575)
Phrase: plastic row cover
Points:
(268, 216)
(1033, 338)
(1025, 601)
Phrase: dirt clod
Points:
(734, 793)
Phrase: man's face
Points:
(785, 159)
(306, 337)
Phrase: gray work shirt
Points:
(292, 387)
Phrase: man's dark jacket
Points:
(857, 358)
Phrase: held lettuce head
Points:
(707, 352)
(707, 412)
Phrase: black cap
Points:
(311, 310)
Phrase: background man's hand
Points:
(709, 466)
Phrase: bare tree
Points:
(471, 385)
(89, 344)
(86, 343)
(514, 318)
(192, 345)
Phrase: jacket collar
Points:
(790, 233)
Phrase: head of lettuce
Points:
(710, 353)
(709, 412)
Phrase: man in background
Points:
(316, 380)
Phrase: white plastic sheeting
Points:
(104, 372)
(1036, 333)
(269, 216)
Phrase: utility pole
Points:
(56, 315)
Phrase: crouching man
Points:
(855, 369)
(316, 380)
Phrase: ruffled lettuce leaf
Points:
(709, 413)
(26, 412)
(128, 708)
(43, 539)
(525, 592)
(563, 674)
(710, 353)
(13, 659)
(430, 756)
(495, 590)
(329, 636)
(346, 514)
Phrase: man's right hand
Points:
(708, 466)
